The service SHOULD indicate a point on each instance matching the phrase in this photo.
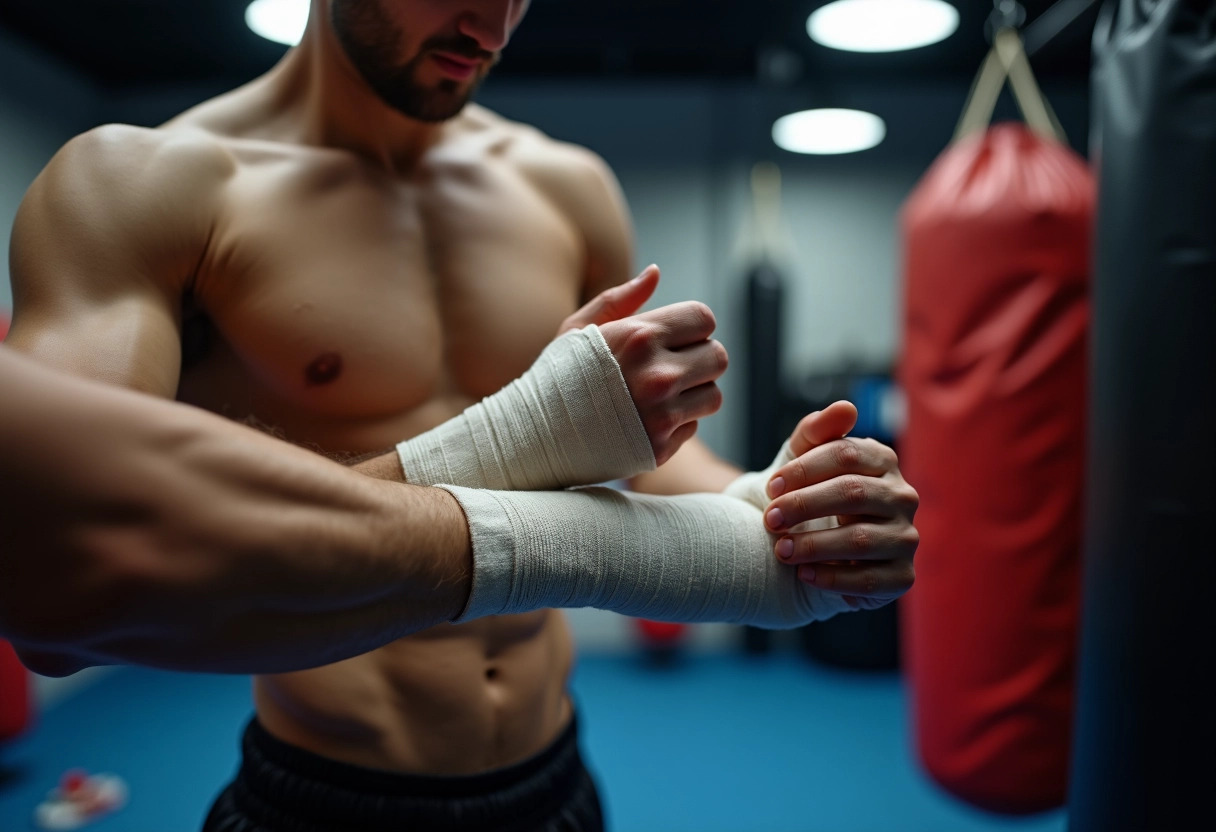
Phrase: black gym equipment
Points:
(1144, 746)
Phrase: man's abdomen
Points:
(455, 699)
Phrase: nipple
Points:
(324, 369)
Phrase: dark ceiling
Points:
(123, 43)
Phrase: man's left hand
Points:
(868, 557)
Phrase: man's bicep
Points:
(86, 311)
(100, 252)
(131, 341)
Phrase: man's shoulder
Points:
(123, 194)
(128, 158)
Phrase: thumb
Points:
(615, 303)
(823, 426)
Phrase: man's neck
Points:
(335, 107)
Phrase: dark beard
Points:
(370, 41)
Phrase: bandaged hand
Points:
(614, 395)
(693, 557)
(670, 363)
(568, 420)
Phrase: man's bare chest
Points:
(330, 294)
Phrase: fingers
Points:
(700, 402)
(851, 542)
(881, 582)
(840, 456)
(669, 364)
(850, 494)
(677, 422)
(702, 363)
(615, 303)
(682, 324)
(833, 422)
(668, 447)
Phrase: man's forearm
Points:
(137, 530)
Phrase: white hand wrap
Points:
(752, 487)
(569, 420)
(695, 557)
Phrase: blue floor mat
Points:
(716, 743)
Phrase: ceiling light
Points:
(282, 21)
(882, 25)
(828, 131)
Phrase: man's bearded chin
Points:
(369, 40)
(400, 90)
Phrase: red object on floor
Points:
(15, 700)
(996, 315)
(16, 703)
(660, 633)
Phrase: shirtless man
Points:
(343, 250)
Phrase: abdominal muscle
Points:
(454, 699)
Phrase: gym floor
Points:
(716, 742)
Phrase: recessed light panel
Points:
(829, 131)
(882, 25)
(281, 21)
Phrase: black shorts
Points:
(282, 788)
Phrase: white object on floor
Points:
(80, 799)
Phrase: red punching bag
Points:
(15, 700)
(996, 312)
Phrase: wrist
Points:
(425, 534)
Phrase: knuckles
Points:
(869, 582)
(796, 474)
(861, 540)
(796, 509)
(660, 382)
(846, 455)
(852, 491)
(631, 340)
(804, 548)
(700, 316)
(640, 341)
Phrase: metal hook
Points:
(1006, 14)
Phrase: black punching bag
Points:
(765, 298)
(1144, 750)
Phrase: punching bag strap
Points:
(1007, 61)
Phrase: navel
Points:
(324, 369)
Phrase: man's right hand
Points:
(670, 363)
(615, 395)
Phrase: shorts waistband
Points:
(291, 788)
